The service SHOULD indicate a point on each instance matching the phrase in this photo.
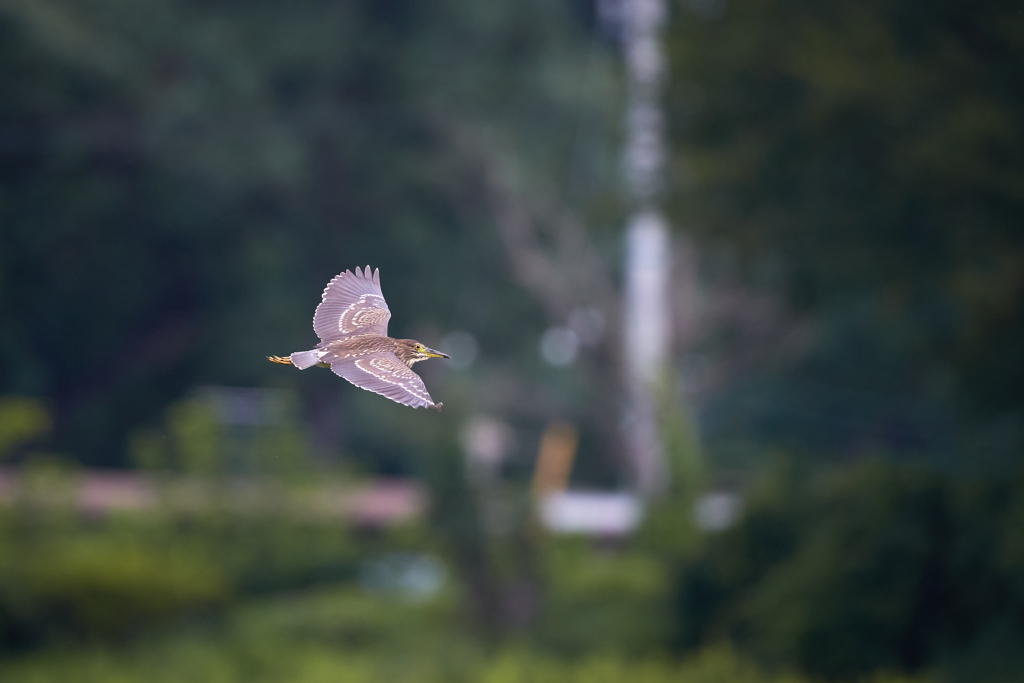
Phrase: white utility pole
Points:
(647, 313)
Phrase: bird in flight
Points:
(352, 323)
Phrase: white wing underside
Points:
(385, 374)
(352, 304)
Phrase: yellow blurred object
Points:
(22, 419)
(554, 459)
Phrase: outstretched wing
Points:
(352, 304)
(386, 375)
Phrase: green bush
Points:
(611, 601)
(101, 588)
(66, 576)
(342, 635)
(22, 419)
(883, 567)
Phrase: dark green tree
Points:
(178, 181)
(865, 158)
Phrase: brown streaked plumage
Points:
(352, 323)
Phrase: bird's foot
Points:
(437, 406)
(278, 359)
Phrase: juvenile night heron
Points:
(352, 323)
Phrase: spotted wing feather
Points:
(385, 374)
(352, 305)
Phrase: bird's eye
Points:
(419, 347)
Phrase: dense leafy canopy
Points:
(179, 181)
(866, 160)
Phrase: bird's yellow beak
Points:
(436, 354)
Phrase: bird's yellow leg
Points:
(278, 359)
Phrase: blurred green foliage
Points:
(341, 635)
(195, 439)
(96, 589)
(22, 419)
(880, 567)
(840, 576)
(602, 601)
(178, 180)
(63, 577)
(863, 161)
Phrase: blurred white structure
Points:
(646, 315)
(591, 513)
(559, 346)
(717, 511)
(413, 576)
(485, 441)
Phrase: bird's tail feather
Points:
(305, 359)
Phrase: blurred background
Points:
(819, 477)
